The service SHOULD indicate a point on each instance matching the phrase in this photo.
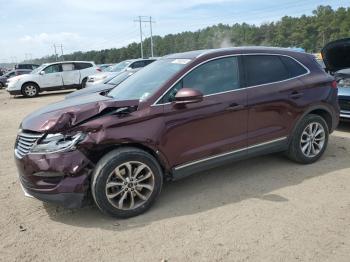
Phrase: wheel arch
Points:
(159, 156)
(320, 110)
(30, 82)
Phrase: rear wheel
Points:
(1, 85)
(83, 83)
(309, 140)
(126, 182)
(30, 90)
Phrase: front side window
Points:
(52, 69)
(217, 76)
(264, 69)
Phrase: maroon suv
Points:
(180, 115)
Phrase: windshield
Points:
(148, 80)
(119, 78)
(38, 69)
(119, 67)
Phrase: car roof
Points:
(63, 62)
(242, 49)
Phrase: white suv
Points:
(52, 76)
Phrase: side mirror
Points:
(188, 96)
(42, 73)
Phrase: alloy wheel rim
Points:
(312, 139)
(30, 90)
(130, 185)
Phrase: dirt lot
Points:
(263, 209)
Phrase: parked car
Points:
(180, 115)
(104, 67)
(4, 78)
(52, 76)
(26, 66)
(336, 55)
(122, 66)
(106, 86)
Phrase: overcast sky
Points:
(33, 26)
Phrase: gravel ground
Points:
(262, 209)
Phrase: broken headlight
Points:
(54, 143)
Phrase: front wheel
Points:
(30, 90)
(309, 140)
(126, 182)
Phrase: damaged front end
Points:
(50, 150)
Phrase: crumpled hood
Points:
(63, 115)
(336, 55)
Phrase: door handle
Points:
(296, 95)
(234, 106)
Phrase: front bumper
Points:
(61, 178)
(14, 92)
(344, 115)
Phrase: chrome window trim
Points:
(229, 153)
(243, 88)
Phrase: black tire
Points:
(1, 85)
(30, 90)
(295, 151)
(105, 169)
(83, 83)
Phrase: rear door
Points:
(214, 126)
(52, 77)
(70, 75)
(274, 91)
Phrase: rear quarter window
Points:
(294, 68)
(80, 66)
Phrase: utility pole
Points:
(140, 21)
(54, 47)
(62, 52)
(150, 26)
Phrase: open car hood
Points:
(63, 115)
(336, 55)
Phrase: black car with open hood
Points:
(336, 56)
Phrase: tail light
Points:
(99, 69)
(334, 84)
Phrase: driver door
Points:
(213, 128)
(52, 77)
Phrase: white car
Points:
(117, 68)
(52, 76)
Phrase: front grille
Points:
(25, 142)
(344, 104)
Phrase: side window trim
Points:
(241, 71)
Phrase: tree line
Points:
(308, 32)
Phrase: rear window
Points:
(263, 69)
(293, 67)
(80, 66)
